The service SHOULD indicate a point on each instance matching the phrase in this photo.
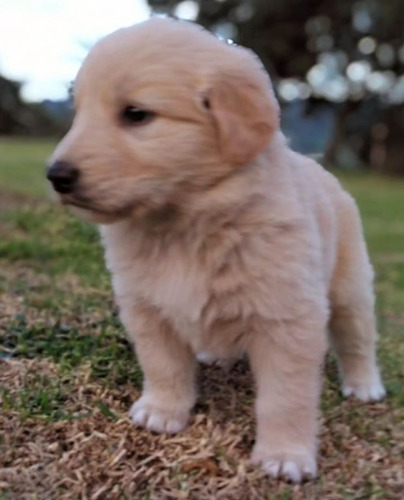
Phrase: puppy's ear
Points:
(246, 115)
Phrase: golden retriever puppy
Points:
(219, 238)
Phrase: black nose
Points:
(63, 176)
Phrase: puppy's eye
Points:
(206, 103)
(136, 116)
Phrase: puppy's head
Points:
(162, 108)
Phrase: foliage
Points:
(347, 54)
(31, 119)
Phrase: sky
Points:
(42, 42)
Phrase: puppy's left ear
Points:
(246, 115)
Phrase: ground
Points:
(68, 375)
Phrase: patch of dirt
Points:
(98, 454)
(27, 299)
(12, 302)
(9, 201)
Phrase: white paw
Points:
(207, 358)
(146, 414)
(369, 390)
(293, 467)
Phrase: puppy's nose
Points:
(63, 176)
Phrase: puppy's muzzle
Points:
(63, 176)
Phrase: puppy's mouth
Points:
(85, 203)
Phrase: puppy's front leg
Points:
(286, 359)
(168, 365)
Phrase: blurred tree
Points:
(20, 118)
(348, 53)
(11, 106)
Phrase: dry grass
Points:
(68, 377)
(96, 453)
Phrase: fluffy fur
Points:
(219, 238)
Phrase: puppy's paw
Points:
(371, 389)
(289, 465)
(145, 413)
(207, 358)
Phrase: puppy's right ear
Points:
(246, 115)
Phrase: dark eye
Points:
(206, 103)
(134, 115)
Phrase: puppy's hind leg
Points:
(352, 324)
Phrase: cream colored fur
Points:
(219, 239)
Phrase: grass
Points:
(104, 348)
(41, 396)
(73, 373)
(23, 165)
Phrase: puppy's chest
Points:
(172, 282)
(178, 288)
